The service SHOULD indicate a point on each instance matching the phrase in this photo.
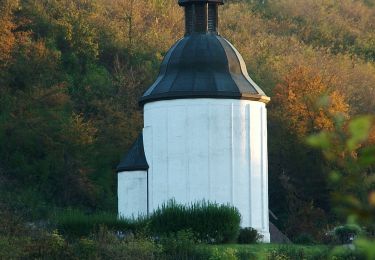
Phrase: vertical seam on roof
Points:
(210, 70)
(178, 72)
(227, 62)
(244, 71)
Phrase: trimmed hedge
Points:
(77, 224)
(210, 222)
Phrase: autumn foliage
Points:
(305, 103)
(71, 72)
(7, 38)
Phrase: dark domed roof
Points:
(203, 66)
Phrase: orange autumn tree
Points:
(305, 103)
(7, 38)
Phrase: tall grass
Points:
(210, 222)
(76, 223)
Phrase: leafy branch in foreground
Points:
(350, 151)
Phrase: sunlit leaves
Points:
(367, 157)
(366, 246)
(320, 140)
(78, 131)
(371, 198)
(352, 176)
(7, 38)
(306, 104)
(335, 176)
(359, 129)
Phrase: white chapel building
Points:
(205, 129)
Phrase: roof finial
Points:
(201, 16)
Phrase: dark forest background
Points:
(71, 72)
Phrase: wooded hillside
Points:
(71, 72)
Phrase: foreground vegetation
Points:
(75, 235)
(209, 222)
(106, 245)
(71, 72)
(109, 240)
(195, 232)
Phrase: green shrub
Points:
(292, 252)
(304, 239)
(12, 247)
(249, 236)
(45, 245)
(347, 253)
(347, 233)
(329, 238)
(180, 245)
(136, 248)
(75, 223)
(247, 254)
(211, 252)
(211, 222)
(106, 244)
(286, 252)
(86, 248)
(226, 254)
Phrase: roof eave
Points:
(243, 96)
(131, 169)
(186, 2)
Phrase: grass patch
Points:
(273, 251)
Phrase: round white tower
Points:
(205, 129)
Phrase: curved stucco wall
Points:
(212, 149)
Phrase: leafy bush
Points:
(347, 253)
(137, 248)
(329, 238)
(347, 233)
(304, 239)
(20, 240)
(211, 222)
(42, 244)
(76, 223)
(249, 236)
(106, 244)
(247, 254)
(211, 252)
(227, 254)
(85, 248)
(286, 252)
(11, 247)
(180, 245)
(291, 252)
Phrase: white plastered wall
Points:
(212, 149)
(132, 193)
